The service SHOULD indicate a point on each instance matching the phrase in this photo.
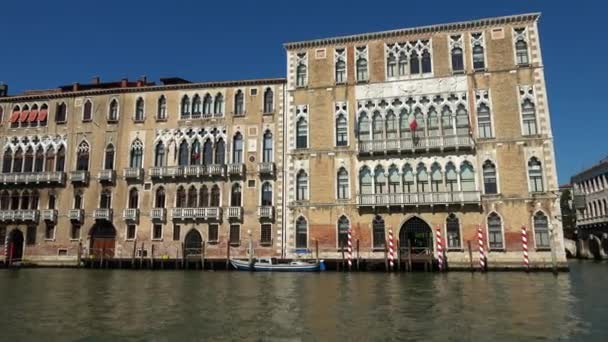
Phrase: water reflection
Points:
(172, 305)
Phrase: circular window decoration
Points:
(252, 159)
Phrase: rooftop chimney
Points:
(75, 86)
(3, 90)
(124, 82)
(95, 80)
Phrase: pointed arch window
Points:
(87, 110)
(302, 133)
(196, 103)
(267, 155)
(7, 161)
(18, 161)
(408, 179)
(78, 200)
(467, 177)
(218, 104)
(378, 235)
(39, 160)
(82, 157)
(5, 199)
(446, 121)
(133, 199)
(192, 197)
(457, 60)
(478, 57)
(301, 75)
(402, 64)
(137, 151)
(521, 52)
(484, 121)
(414, 63)
(451, 178)
(361, 69)
(195, 153)
(105, 200)
(343, 228)
(366, 181)
(426, 62)
(60, 162)
(379, 181)
(28, 162)
(266, 194)
(268, 101)
(452, 227)
(15, 200)
(391, 125)
(422, 178)
(541, 230)
(490, 185)
(160, 155)
(215, 196)
(139, 110)
(495, 232)
(377, 126)
(436, 178)
(462, 120)
(528, 116)
(207, 105)
(391, 65)
(61, 113)
(340, 72)
(113, 111)
(161, 110)
(183, 153)
(302, 186)
(220, 152)
(394, 181)
(535, 174)
(235, 195)
(341, 130)
(180, 197)
(433, 123)
(208, 152)
(364, 127)
(237, 149)
(239, 101)
(203, 197)
(301, 233)
(343, 192)
(25, 200)
(159, 198)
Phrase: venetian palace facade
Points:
(407, 131)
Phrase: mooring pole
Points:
(79, 254)
(317, 250)
(470, 256)
(133, 256)
(228, 254)
(358, 257)
(152, 257)
(385, 255)
(203, 256)
(398, 256)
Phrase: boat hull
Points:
(245, 266)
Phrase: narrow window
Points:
(302, 186)
(340, 71)
(422, 178)
(208, 152)
(379, 181)
(541, 230)
(139, 110)
(342, 184)
(7, 161)
(183, 153)
(192, 197)
(176, 232)
(82, 157)
(30, 238)
(528, 113)
(28, 162)
(489, 178)
(268, 101)
(402, 64)
(61, 113)
(361, 69)
(213, 232)
(267, 156)
(302, 133)
(266, 194)
(60, 162)
(478, 56)
(408, 180)
(341, 130)
(426, 62)
(535, 173)
(239, 100)
(365, 181)
(131, 232)
(159, 198)
(266, 233)
(378, 232)
(215, 196)
(457, 60)
(391, 65)
(235, 234)
(414, 63)
(343, 227)
(180, 198)
(301, 233)
(207, 105)
(87, 110)
(301, 75)
(452, 226)
(75, 231)
(218, 105)
(484, 121)
(203, 197)
(159, 155)
(237, 149)
(105, 200)
(467, 177)
(196, 105)
(235, 195)
(220, 152)
(113, 111)
(494, 231)
(133, 199)
(157, 232)
(161, 111)
(364, 127)
(109, 158)
(18, 161)
(436, 178)
(391, 125)
(49, 232)
(137, 151)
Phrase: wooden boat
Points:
(267, 265)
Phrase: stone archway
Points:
(15, 246)
(103, 240)
(416, 233)
(193, 243)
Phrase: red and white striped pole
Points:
(391, 249)
(524, 244)
(439, 249)
(482, 256)
(350, 249)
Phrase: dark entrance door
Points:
(103, 239)
(193, 243)
(15, 245)
(417, 234)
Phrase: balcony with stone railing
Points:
(194, 171)
(416, 145)
(210, 213)
(24, 215)
(419, 199)
(266, 168)
(266, 212)
(76, 215)
(583, 221)
(216, 170)
(103, 214)
(55, 177)
(49, 215)
(79, 176)
(158, 214)
(133, 174)
(130, 215)
(235, 213)
(236, 170)
(107, 176)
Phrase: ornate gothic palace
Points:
(441, 130)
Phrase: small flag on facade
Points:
(412, 121)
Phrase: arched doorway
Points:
(417, 234)
(103, 239)
(15, 245)
(193, 243)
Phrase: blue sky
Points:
(51, 43)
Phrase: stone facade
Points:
(591, 201)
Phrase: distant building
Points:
(591, 200)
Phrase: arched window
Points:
(394, 182)
(15, 200)
(301, 233)
(484, 121)
(215, 196)
(208, 152)
(404, 125)
(535, 173)
(451, 177)
(340, 72)
(60, 163)
(39, 160)
(268, 101)
(218, 104)
(105, 200)
(192, 197)
(239, 100)
(422, 178)
(467, 177)
(457, 60)
(267, 155)
(137, 151)
(82, 158)
(133, 199)
(27, 201)
(489, 178)
(109, 158)
(183, 153)
(343, 228)
(60, 112)
(159, 155)
(180, 197)
(237, 149)
(18, 161)
(159, 198)
(528, 117)
(426, 62)
(42, 117)
(379, 181)
(7, 161)
(408, 179)
(341, 130)
(433, 124)
(478, 58)
(235, 195)
(113, 111)
(195, 153)
(414, 63)
(203, 197)
(420, 122)
(302, 186)
(87, 110)
(207, 105)
(139, 109)
(161, 110)
(436, 178)
(301, 75)
(266, 194)
(452, 227)
(196, 105)
(5, 199)
(361, 69)
(462, 120)
(220, 152)
(365, 181)
(495, 231)
(391, 66)
(364, 127)
(391, 125)
(402, 64)
(377, 127)
(28, 162)
(342, 182)
(302, 133)
(521, 52)
(541, 230)
(78, 200)
(378, 232)
(446, 121)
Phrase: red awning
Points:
(42, 115)
(24, 116)
(33, 116)
(15, 116)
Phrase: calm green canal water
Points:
(111, 305)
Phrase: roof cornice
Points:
(186, 86)
(463, 25)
